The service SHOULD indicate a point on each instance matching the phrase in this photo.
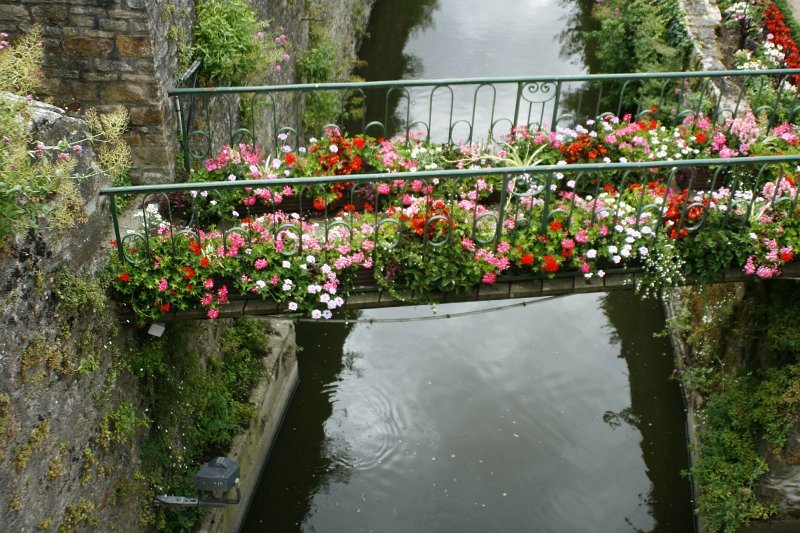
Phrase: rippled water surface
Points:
(493, 422)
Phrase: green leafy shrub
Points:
(195, 411)
(230, 41)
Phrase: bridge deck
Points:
(371, 298)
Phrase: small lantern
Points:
(219, 475)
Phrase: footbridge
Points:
(461, 190)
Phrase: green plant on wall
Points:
(36, 180)
(195, 408)
(231, 43)
(322, 63)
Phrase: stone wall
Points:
(104, 53)
(58, 374)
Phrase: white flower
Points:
(286, 264)
(333, 148)
(261, 284)
(316, 314)
(591, 254)
(310, 259)
(231, 177)
(326, 314)
(325, 298)
(292, 306)
(601, 273)
(616, 259)
(571, 184)
(213, 202)
(612, 249)
(643, 250)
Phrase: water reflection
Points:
(655, 407)
(299, 465)
(461, 39)
(486, 423)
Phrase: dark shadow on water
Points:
(656, 407)
(298, 466)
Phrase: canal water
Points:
(559, 415)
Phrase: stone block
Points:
(100, 76)
(150, 156)
(13, 12)
(49, 13)
(82, 46)
(85, 21)
(110, 65)
(115, 25)
(146, 115)
(525, 289)
(125, 93)
(563, 285)
(137, 78)
(86, 91)
(134, 46)
(132, 138)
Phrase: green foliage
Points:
(21, 64)
(782, 339)
(35, 179)
(119, 425)
(230, 42)
(324, 63)
(639, 36)
(744, 410)
(24, 452)
(78, 295)
(195, 411)
(82, 512)
(729, 464)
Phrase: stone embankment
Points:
(782, 484)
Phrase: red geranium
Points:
(124, 277)
(550, 264)
(526, 259)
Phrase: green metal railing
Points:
(527, 200)
(470, 110)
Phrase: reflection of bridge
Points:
(526, 201)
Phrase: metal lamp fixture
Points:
(214, 479)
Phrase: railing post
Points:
(115, 221)
(520, 85)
